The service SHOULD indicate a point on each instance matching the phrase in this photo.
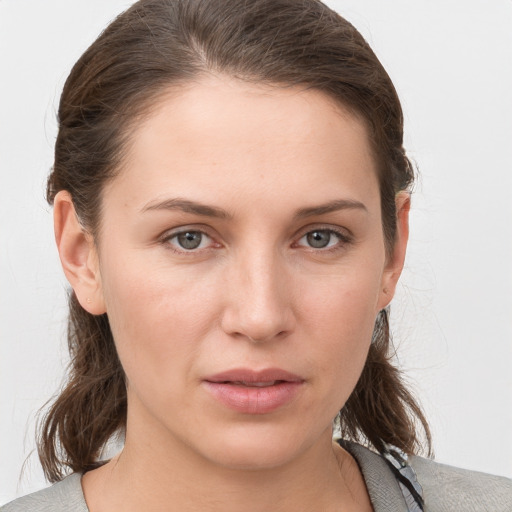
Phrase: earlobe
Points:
(78, 255)
(396, 258)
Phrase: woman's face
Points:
(242, 263)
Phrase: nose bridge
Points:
(258, 302)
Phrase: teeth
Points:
(254, 384)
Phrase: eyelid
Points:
(169, 234)
(345, 236)
(339, 230)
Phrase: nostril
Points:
(280, 334)
(258, 315)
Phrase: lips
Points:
(254, 384)
(254, 392)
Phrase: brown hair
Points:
(157, 44)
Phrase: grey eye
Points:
(318, 239)
(189, 239)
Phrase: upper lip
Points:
(253, 376)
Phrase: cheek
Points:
(343, 301)
(158, 316)
(339, 316)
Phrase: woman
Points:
(231, 210)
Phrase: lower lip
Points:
(254, 400)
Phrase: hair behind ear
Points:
(381, 409)
(92, 406)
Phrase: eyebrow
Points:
(205, 210)
(331, 206)
(187, 206)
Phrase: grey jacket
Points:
(445, 489)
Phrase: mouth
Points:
(248, 377)
(254, 392)
(253, 384)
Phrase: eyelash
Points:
(344, 239)
(168, 237)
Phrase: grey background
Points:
(451, 62)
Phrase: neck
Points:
(156, 472)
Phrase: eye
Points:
(322, 239)
(189, 240)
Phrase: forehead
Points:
(221, 136)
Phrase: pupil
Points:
(190, 239)
(318, 239)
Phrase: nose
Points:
(258, 299)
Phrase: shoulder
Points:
(63, 496)
(446, 488)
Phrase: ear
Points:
(78, 255)
(395, 261)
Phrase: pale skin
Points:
(278, 189)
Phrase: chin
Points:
(254, 458)
(249, 448)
